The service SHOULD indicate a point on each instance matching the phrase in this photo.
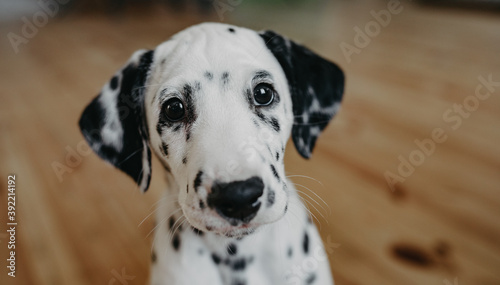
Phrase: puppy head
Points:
(216, 104)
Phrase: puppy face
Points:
(216, 104)
(220, 112)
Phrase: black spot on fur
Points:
(171, 223)
(239, 282)
(255, 122)
(239, 264)
(232, 249)
(310, 279)
(188, 135)
(187, 188)
(262, 117)
(277, 156)
(197, 86)
(305, 243)
(216, 258)
(164, 149)
(176, 242)
(184, 160)
(159, 128)
(272, 122)
(209, 75)
(164, 122)
(270, 197)
(269, 149)
(225, 78)
(202, 205)
(231, 30)
(153, 256)
(261, 74)
(197, 231)
(275, 173)
(197, 180)
(249, 96)
(113, 84)
(290, 252)
(286, 208)
(190, 109)
(275, 124)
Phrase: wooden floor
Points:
(441, 225)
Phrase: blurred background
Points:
(407, 175)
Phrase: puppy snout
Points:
(238, 200)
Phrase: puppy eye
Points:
(263, 94)
(174, 109)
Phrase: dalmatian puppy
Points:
(217, 104)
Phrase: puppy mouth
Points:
(220, 226)
(236, 231)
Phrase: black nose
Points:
(237, 200)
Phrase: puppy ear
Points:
(316, 86)
(114, 122)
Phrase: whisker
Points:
(172, 214)
(165, 197)
(310, 124)
(162, 221)
(312, 199)
(157, 208)
(145, 86)
(304, 205)
(128, 157)
(139, 186)
(321, 199)
(324, 115)
(172, 230)
(175, 226)
(319, 212)
(308, 177)
(157, 202)
(293, 213)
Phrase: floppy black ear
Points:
(316, 86)
(114, 122)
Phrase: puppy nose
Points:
(237, 200)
